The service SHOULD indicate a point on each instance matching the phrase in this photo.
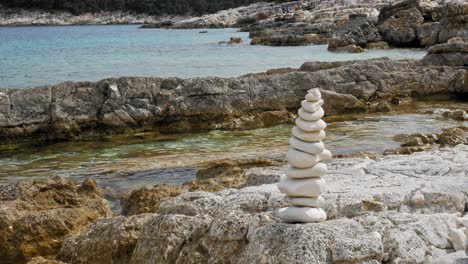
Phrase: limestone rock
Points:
(453, 53)
(307, 136)
(35, 217)
(317, 170)
(310, 187)
(105, 241)
(306, 202)
(307, 116)
(301, 159)
(146, 200)
(310, 126)
(313, 148)
(401, 28)
(302, 214)
(123, 105)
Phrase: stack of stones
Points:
(302, 183)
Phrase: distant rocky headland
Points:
(22, 17)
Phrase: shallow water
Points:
(123, 163)
(31, 56)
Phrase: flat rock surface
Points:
(435, 181)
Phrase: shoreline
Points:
(73, 110)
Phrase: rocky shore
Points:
(70, 110)
(20, 17)
(406, 209)
(351, 27)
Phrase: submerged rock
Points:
(35, 217)
(211, 177)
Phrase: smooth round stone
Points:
(308, 147)
(301, 159)
(311, 187)
(310, 126)
(312, 107)
(316, 171)
(307, 116)
(313, 95)
(305, 201)
(325, 155)
(308, 136)
(302, 215)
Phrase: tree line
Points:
(154, 7)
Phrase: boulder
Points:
(377, 45)
(452, 53)
(146, 200)
(35, 217)
(401, 29)
(453, 23)
(99, 243)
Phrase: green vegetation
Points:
(156, 7)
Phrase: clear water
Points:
(31, 56)
(122, 163)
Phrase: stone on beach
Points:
(313, 95)
(312, 106)
(301, 159)
(325, 155)
(310, 137)
(311, 187)
(302, 214)
(317, 170)
(307, 116)
(310, 126)
(306, 201)
(303, 183)
(308, 147)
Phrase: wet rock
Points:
(234, 41)
(146, 200)
(454, 136)
(342, 46)
(407, 150)
(35, 217)
(455, 114)
(105, 241)
(377, 45)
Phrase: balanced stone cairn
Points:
(302, 183)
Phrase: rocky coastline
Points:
(413, 212)
(69, 111)
(19, 17)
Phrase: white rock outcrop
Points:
(302, 183)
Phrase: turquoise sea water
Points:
(31, 56)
